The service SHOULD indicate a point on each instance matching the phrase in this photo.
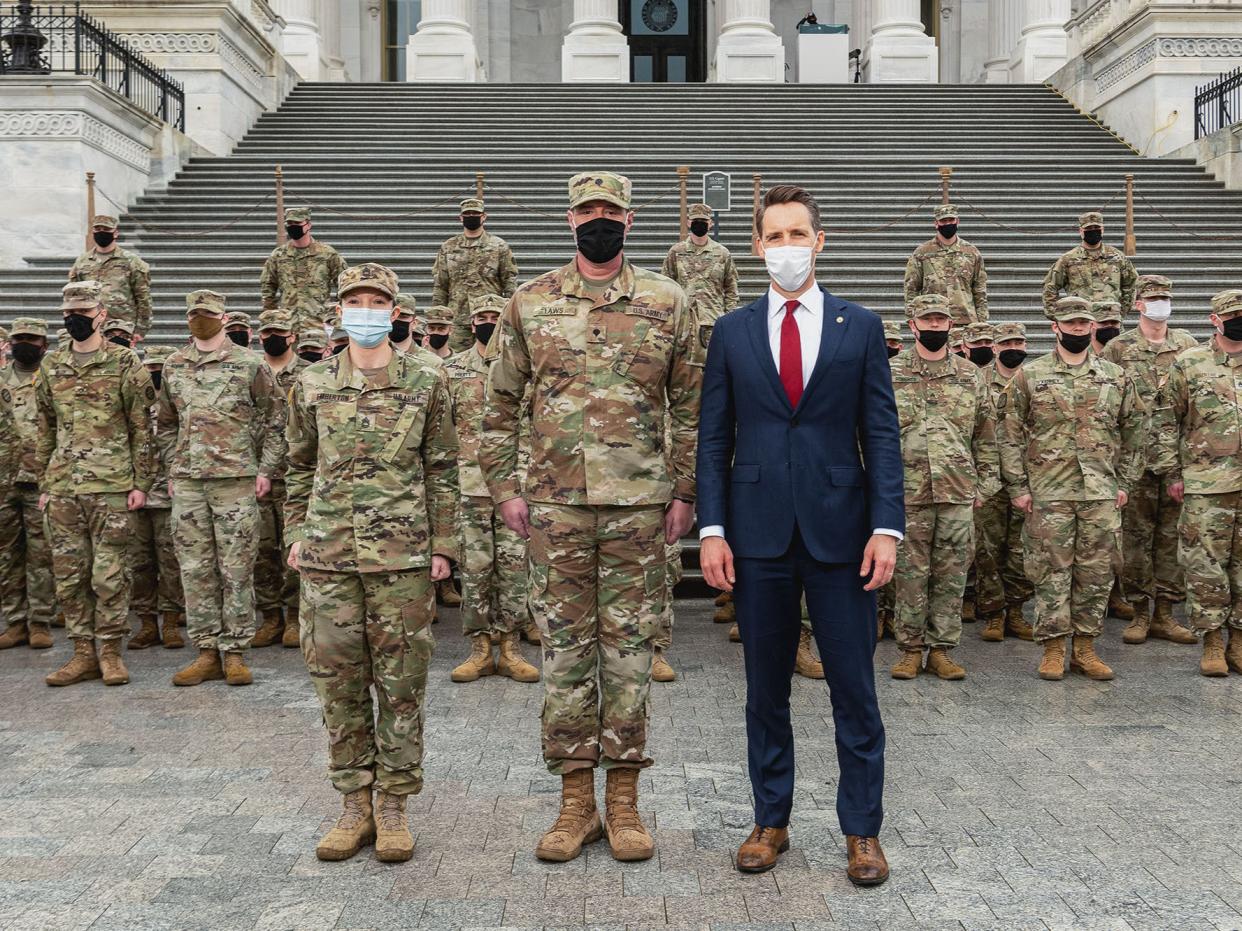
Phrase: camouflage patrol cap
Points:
(1071, 308)
(892, 330)
(338, 335)
(945, 211)
(118, 326)
(956, 333)
(156, 355)
(28, 326)
(297, 214)
(406, 303)
(238, 318)
(212, 302)
(438, 313)
(1106, 311)
(368, 275)
(1090, 218)
(80, 295)
(275, 320)
(105, 221)
(1227, 302)
(488, 303)
(700, 212)
(471, 205)
(1006, 331)
(980, 333)
(599, 185)
(924, 305)
(312, 338)
(1153, 286)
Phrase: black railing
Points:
(43, 40)
(1218, 104)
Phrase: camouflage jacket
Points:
(948, 434)
(466, 268)
(601, 374)
(467, 381)
(301, 280)
(10, 441)
(285, 379)
(1102, 274)
(1199, 431)
(956, 271)
(94, 423)
(212, 408)
(1148, 365)
(707, 275)
(996, 383)
(1071, 434)
(126, 281)
(23, 387)
(372, 480)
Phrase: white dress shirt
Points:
(809, 315)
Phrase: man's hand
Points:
(879, 559)
(516, 516)
(1177, 491)
(1122, 498)
(1024, 503)
(294, 551)
(262, 486)
(678, 518)
(136, 500)
(978, 503)
(43, 501)
(716, 561)
(440, 569)
(170, 488)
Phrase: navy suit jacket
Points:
(833, 465)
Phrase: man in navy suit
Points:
(800, 491)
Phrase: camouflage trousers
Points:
(275, 584)
(493, 571)
(931, 574)
(1000, 576)
(1072, 551)
(27, 588)
(153, 564)
(1211, 551)
(216, 531)
(598, 582)
(1149, 543)
(90, 551)
(672, 556)
(361, 631)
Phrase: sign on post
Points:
(717, 190)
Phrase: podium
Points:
(823, 54)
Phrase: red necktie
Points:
(791, 355)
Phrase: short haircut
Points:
(788, 194)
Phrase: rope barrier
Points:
(377, 216)
(170, 231)
(958, 198)
(676, 188)
(888, 225)
(1156, 210)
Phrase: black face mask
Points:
(1093, 237)
(157, 378)
(79, 327)
(699, 227)
(600, 240)
(240, 337)
(438, 340)
(1012, 358)
(1075, 344)
(400, 331)
(981, 355)
(275, 345)
(103, 238)
(121, 341)
(483, 333)
(1232, 329)
(891, 351)
(337, 350)
(26, 354)
(947, 230)
(294, 230)
(471, 223)
(1105, 333)
(311, 356)
(933, 340)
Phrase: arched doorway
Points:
(667, 38)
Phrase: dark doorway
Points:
(668, 40)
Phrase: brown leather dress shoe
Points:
(867, 864)
(759, 852)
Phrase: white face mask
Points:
(789, 266)
(1158, 310)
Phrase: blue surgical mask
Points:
(368, 328)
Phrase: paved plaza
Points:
(1011, 802)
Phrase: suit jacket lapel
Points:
(830, 337)
(757, 325)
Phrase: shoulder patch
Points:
(705, 334)
(150, 392)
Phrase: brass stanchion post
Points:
(754, 226)
(683, 180)
(281, 235)
(90, 207)
(946, 177)
(478, 185)
(1131, 245)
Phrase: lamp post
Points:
(25, 43)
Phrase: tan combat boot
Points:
(448, 594)
(354, 830)
(909, 665)
(1140, 626)
(661, 671)
(1052, 666)
(393, 841)
(292, 637)
(1016, 625)
(1118, 607)
(59, 620)
(15, 636)
(530, 632)
(1083, 660)
(479, 663)
(805, 663)
(148, 633)
(82, 666)
(172, 631)
(726, 613)
(993, 628)
(627, 835)
(735, 635)
(1163, 627)
(111, 664)
(40, 637)
(939, 662)
(1213, 664)
(1233, 656)
(270, 631)
(578, 821)
(236, 672)
(512, 664)
(205, 668)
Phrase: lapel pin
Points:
(840, 319)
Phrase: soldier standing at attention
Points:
(238, 326)
(217, 403)
(1091, 270)
(1108, 317)
(950, 266)
(440, 330)
(893, 337)
(299, 276)
(605, 349)
(123, 277)
(119, 333)
(95, 465)
(1072, 433)
(310, 344)
(1152, 573)
(407, 333)
(372, 520)
(471, 264)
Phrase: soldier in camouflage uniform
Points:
(217, 402)
(950, 266)
(948, 448)
(371, 516)
(238, 327)
(124, 278)
(977, 341)
(154, 566)
(1091, 270)
(1108, 317)
(957, 341)
(471, 264)
(299, 276)
(1072, 433)
(1200, 457)
(27, 592)
(119, 333)
(1152, 574)
(439, 321)
(95, 464)
(310, 344)
(606, 348)
(894, 338)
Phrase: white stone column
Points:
(443, 48)
(301, 42)
(996, 68)
(595, 50)
(748, 48)
(900, 51)
(1043, 46)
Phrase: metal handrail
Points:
(1218, 104)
